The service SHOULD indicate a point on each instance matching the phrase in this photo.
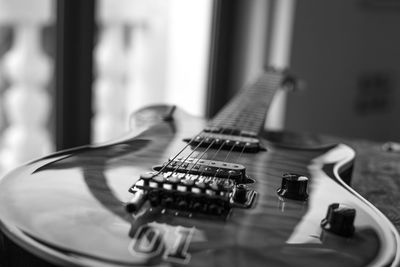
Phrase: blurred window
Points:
(145, 52)
(71, 72)
(148, 52)
(26, 80)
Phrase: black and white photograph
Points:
(206, 133)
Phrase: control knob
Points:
(339, 220)
(293, 186)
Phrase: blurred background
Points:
(72, 71)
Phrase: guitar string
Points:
(234, 145)
(230, 151)
(242, 152)
(194, 150)
(204, 152)
(238, 159)
(232, 129)
(199, 158)
(208, 147)
(180, 152)
(188, 156)
(213, 141)
(241, 139)
(215, 154)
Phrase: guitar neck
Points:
(247, 111)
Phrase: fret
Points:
(247, 111)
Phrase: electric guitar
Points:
(179, 190)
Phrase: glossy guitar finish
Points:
(68, 208)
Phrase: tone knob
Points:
(293, 186)
(339, 220)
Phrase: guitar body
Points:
(68, 209)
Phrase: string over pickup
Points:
(205, 167)
(230, 131)
(226, 142)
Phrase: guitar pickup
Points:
(223, 141)
(230, 131)
(205, 167)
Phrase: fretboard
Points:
(248, 109)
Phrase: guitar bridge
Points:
(190, 194)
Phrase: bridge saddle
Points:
(197, 193)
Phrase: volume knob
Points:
(339, 220)
(293, 186)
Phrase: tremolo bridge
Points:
(193, 187)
